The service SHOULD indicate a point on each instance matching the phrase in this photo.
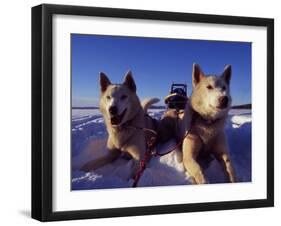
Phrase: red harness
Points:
(150, 153)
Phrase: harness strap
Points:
(149, 153)
(180, 142)
(142, 167)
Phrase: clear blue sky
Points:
(155, 64)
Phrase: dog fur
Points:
(124, 116)
(204, 120)
(209, 103)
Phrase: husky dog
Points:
(125, 118)
(204, 117)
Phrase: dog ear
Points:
(197, 74)
(129, 81)
(104, 82)
(227, 74)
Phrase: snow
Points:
(78, 114)
(89, 142)
(238, 120)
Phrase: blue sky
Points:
(155, 64)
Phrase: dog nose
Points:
(113, 110)
(223, 101)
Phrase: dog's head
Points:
(118, 102)
(211, 94)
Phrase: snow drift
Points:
(89, 139)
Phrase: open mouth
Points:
(117, 119)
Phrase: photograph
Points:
(140, 112)
(150, 111)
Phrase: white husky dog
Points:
(125, 118)
(205, 116)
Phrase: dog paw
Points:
(200, 178)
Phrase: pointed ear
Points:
(104, 82)
(129, 81)
(227, 74)
(197, 74)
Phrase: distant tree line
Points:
(242, 106)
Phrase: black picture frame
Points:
(42, 111)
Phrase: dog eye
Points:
(123, 97)
(209, 87)
(223, 88)
(108, 97)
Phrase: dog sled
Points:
(177, 97)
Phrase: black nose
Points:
(113, 110)
(223, 101)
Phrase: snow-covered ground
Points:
(89, 139)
